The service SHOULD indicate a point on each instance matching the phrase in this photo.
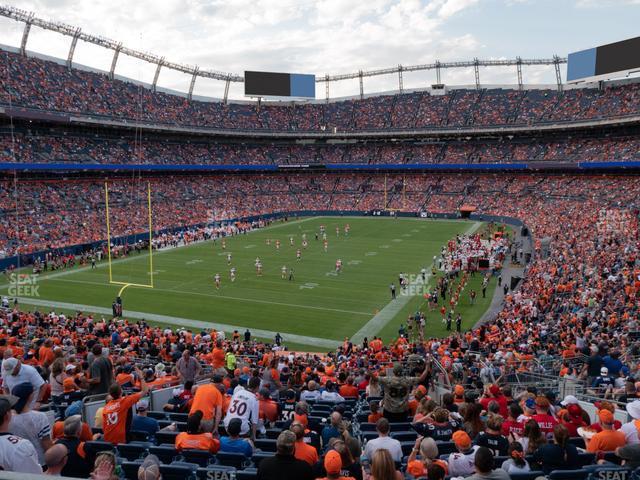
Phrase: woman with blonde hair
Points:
(373, 389)
(428, 450)
(383, 467)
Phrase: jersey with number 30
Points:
(244, 405)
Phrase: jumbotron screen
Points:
(271, 84)
(606, 59)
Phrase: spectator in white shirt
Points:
(384, 441)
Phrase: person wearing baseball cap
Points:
(333, 466)
(631, 429)
(16, 453)
(150, 468)
(32, 425)
(461, 463)
(141, 422)
(15, 373)
(608, 439)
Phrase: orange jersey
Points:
(201, 441)
(114, 418)
(206, 399)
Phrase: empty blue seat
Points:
(568, 475)
(130, 469)
(232, 459)
(527, 476)
(166, 453)
(367, 427)
(132, 451)
(266, 444)
(177, 471)
(166, 437)
(404, 436)
(94, 447)
(258, 457)
(201, 457)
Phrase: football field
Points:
(314, 311)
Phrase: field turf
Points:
(317, 304)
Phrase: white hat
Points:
(569, 400)
(177, 391)
(9, 365)
(604, 371)
(159, 367)
(142, 405)
(634, 409)
(69, 367)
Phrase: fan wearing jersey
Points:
(16, 454)
(116, 415)
(244, 405)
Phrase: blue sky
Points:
(331, 36)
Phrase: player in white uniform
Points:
(277, 244)
(304, 244)
(298, 254)
(338, 266)
(228, 259)
(232, 274)
(291, 241)
(16, 453)
(283, 272)
(224, 244)
(216, 278)
(326, 246)
(258, 267)
(337, 231)
(244, 405)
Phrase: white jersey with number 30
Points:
(244, 405)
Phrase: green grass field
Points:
(317, 309)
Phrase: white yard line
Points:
(388, 313)
(105, 263)
(187, 322)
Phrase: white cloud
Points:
(306, 36)
(605, 3)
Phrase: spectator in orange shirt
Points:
(608, 439)
(45, 353)
(195, 438)
(375, 414)
(303, 451)
(349, 390)
(208, 400)
(218, 359)
(269, 410)
(116, 416)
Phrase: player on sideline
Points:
(224, 244)
(283, 272)
(326, 246)
(216, 278)
(232, 274)
(228, 259)
(277, 244)
(298, 255)
(338, 266)
(346, 230)
(337, 231)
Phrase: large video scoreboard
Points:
(270, 84)
(613, 59)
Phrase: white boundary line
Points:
(388, 313)
(186, 322)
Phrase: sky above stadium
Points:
(330, 36)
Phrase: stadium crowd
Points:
(46, 85)
(63, 147)
(364, 411)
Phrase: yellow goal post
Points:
(129, 284)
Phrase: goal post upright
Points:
(109, 258)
